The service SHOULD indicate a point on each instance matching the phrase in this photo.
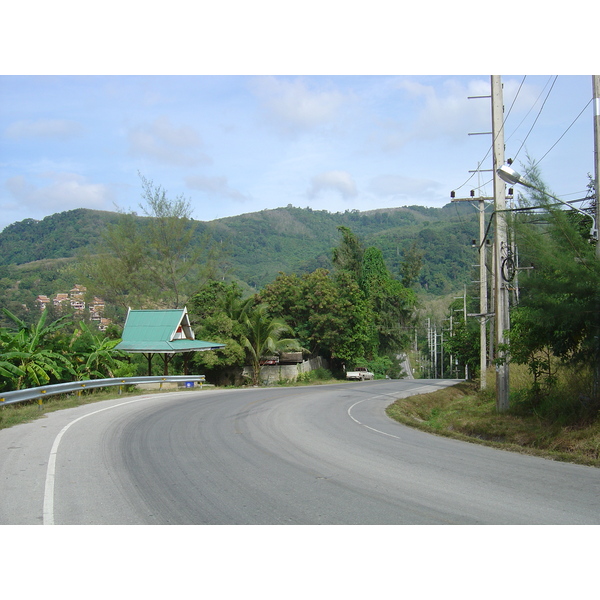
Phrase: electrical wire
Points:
(492, 146)
(537, 118)
(563, 135)
(538, 115)
(529, 111)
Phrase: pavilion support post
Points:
(167, 358)
(149, 359)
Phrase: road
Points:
(301, 455)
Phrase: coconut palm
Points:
(263, 336)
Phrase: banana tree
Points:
(28, 359)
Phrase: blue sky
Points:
(239, 144)
(83, 112)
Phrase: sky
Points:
(242, 107)
(234, 144)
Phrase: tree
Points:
(559, 311)
(171, 254)
(26, 358)
(119, 272)
(263, 336)
(157, 261)
(348, 255)
(411, 265)
(328, 313)
(95, 356)
(217, 312)
(391, 303)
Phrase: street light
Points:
(509, 175)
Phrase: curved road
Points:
(304, 455)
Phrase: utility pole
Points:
(500, 239)
(596, 89)
(596, 86)
(483, 299)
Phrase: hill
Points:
(262, 244)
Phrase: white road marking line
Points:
(48, 508)
(395, 394)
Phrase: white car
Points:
(360, 374)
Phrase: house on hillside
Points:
(43, 301)
(104, 323)
(60, 300)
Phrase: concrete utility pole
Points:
(596, 90)
(483, 299)
(500, 241)
(596, 87)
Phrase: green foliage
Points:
(217, 310)
(392, 305)
(95, 357)
(357, 313)
(328, 314)
(559, 312)
(57, 236)
(411, 266)
(348, 255)
(27, 359)
(256, 246)
(464, 344)
(154, 262)
(46, 353)
(262, 336)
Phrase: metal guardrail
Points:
(77, 386)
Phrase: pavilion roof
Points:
(161, 332)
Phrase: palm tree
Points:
(263, 336)
(33, 363)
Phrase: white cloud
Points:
(217, 186)
(65, 191)
(439, 112)
(294, 108)
(44, 128)
(339, 181)
(391, 185)
(165, 143)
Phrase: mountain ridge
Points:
(285, 239)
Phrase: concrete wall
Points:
(274, 373)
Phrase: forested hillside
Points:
(257, 246)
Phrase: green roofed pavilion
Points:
(165, 332)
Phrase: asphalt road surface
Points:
(301, 455)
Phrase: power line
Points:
(529, 111)
(538, 115)
(492, 145)
(563, 135)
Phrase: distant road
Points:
(301, 455)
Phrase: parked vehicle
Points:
(360, 374)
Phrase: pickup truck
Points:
(360, 374)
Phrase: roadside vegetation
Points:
(554, 428)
